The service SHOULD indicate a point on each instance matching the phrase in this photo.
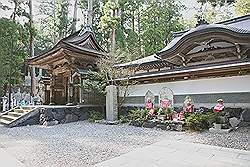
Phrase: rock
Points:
(71, 118)
(48, 114)
(149, 124)
(84, 115)
(58, 114)
(76, 111)
(179, 127)
(162, 126)
(136, 123)
(246, 115)
(50, 123)
(234, 122)
(233, 112)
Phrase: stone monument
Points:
(111, 103)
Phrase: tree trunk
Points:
(31, 46)
(54, 20)
(90, 13)
(113, 35)
(9, 95)
(139, 30)
(13, 15)
(74, 17)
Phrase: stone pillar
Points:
(111, 103)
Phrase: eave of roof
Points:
(188, 70)
(148, 59)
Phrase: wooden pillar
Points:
(80, 91)
(70, 91)
(52, 92)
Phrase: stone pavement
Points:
(168, 153)
(6, 160)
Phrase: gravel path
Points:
(83, 144)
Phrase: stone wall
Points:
(60, 115)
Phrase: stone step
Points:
(4, 122)
(8, 117)
(27, 107)
(15, 114)
(21, 110)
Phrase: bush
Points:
(165, 111)
(138, 114)
(197, 122)
(123, 119)
(95, 115)
(201, 121)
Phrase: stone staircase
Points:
(10, 117)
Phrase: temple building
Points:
(208, 62)
(67, 64)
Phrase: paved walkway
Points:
(180, 154)
(8, 160)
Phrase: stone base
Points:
(107, 122)
(213, 130)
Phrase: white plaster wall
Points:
(200, 86)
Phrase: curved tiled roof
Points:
(204, 29)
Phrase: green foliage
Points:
(62, 18)
(197, 122)
(95, 115)
(13, 44)
(95, 83)
(165, 111)
(216, 2)
(201, 121)
(138, 114)
(55, 23)
(123, 119)
(242, 7)
(215, 11)
(158, 20)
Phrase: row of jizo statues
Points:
(166, 99)
(21, 99)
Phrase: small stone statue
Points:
(149, 104)
(165, 103)
(188, 105)
(219, 107)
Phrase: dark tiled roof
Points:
(190, 69)
(83, 40)
(226, 22)
(206, 28)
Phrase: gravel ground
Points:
(84, 144)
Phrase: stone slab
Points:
(8, 160)
(213, 130)
(179, 153)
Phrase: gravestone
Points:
(166, 98)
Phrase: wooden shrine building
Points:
(67, 64)
(208, 62)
